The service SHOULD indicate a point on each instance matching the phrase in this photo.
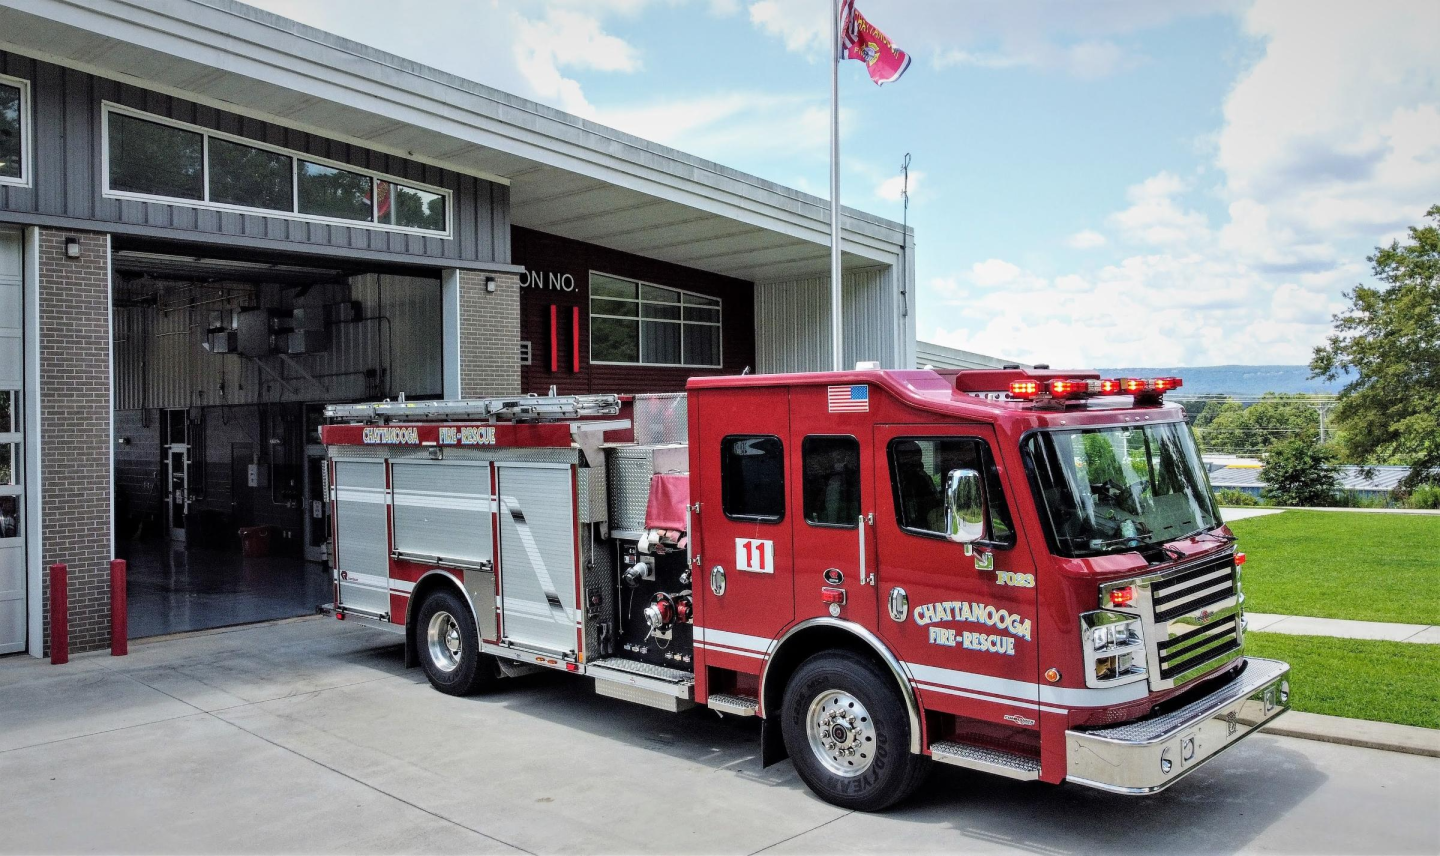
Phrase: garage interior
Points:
(223, 364)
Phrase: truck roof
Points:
(978, 394)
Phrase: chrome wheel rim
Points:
(442, 639)
(841, 733)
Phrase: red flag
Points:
(860, 40)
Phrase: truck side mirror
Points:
(965, 513)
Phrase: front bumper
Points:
(1149, 755)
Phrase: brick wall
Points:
(489, 335)
(75, 429)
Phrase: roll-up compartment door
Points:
(362, 542)
(537, 555)
(443, 511)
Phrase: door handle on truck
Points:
(861, 530)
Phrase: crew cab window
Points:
(831, 481)
(752, 477)
(918, 467)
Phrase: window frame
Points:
(991, 476)
(724, 492)
(640, 318)
(15, 439)
(27, 133)
(859, 473)
(107, 108)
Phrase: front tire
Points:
(848, 733)
(449, 646)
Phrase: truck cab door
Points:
(963, 617)
(740, 440)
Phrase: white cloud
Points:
(1335, 130)
(1087, 60)
(1085, 239)
(1073, 38)
(566, 39)
(1157, 217)
(891, 188)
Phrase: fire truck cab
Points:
(1016, 571)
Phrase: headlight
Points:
(1114, 645)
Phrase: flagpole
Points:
(836, 316)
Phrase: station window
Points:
(752, 477)
(831, 485)
(155, 159)
(250, 177)
(638, 323)
(14, 130)
(150, 157)
(918, 468)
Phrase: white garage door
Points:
(12, 530)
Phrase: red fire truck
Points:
(1015, 571)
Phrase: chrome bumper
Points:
(1149, 755)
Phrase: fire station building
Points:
(215, 221)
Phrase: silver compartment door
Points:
(362, 541)
(442, 511)
(537, 555)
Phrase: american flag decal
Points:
(849, 399)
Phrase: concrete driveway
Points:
(309, 736)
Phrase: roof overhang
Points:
(567, 176)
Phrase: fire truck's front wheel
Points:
(449, 646)
(847, 731)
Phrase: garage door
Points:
(12, 530)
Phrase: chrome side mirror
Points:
(965, 513)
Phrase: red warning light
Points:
(1164, 384)
(1110, 387)
(1024, 388)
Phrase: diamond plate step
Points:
(644, 670)
(987, 760)
(734, 704)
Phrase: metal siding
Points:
(537, 552)
(792, 327)
(66, 165)
(160, 362)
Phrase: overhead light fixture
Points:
(490, 284)
(72, 248)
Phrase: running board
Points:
(643, 683)
(734, 704)
(986, 760)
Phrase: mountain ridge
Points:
(1236, 379)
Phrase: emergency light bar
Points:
(1145, 390)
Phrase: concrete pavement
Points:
(309, 736)
(1343, 628)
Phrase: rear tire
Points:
(449, 646)
(848, 733)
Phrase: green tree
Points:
(1251, 430)
(1300, 471)
(1389, 341)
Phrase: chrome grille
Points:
(1194, 621)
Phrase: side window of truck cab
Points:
(752, 477)
(831, 485)
(918, 468)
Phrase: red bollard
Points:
(59, 614)
(119, 623)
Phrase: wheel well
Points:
(429, 584)
(805, 644)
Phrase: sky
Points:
(1128, 182)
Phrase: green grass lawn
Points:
(1358, 678)
(1333, 564)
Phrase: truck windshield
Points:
(1110, 490)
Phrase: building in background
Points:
(931, 355)
(214, 221)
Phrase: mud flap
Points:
(772, 742)
(412, 657)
